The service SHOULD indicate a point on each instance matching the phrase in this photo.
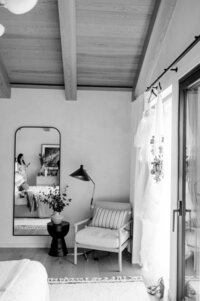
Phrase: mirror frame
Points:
(15, 140)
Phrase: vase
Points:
(56, 218)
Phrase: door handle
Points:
(189, 211)
(174, 212)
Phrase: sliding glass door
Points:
(189, 189)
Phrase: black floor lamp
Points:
(82, 175)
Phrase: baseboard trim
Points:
(34, 245)
(24, 245)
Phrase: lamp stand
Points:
(92, 199)
(82, 175)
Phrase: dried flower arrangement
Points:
(55, 200)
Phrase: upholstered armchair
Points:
(109, 229)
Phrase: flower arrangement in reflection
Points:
(54, 199)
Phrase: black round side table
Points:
(58, 232)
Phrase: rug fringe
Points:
(24, 227)
(95, 279)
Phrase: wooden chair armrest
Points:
(120, 230)
(125, 225)
(76, 225)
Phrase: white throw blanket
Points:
(23, 280)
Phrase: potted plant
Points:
(55, 201)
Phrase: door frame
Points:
(184, 82)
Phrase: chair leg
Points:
(120, 261)
(75, 253)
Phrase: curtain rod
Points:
(196, 40)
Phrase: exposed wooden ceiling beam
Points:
(153, 44)
(67, 19)
(5, 88)
(147, 40)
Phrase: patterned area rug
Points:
(118, 288)
(35, 223)
(31, 226)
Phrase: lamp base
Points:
(85, 254)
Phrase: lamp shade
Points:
(18, 6)
(81, 174)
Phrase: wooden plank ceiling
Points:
(108, 37)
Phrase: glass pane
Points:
(192, 194)
(37, 172)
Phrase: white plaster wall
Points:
(183, 27)
(95, 132)
(137, 108)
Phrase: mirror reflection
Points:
(37, 171)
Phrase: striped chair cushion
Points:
(112, 219)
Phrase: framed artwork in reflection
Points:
(51, 155)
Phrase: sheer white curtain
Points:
(149, 196)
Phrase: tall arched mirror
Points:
(36, 173)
